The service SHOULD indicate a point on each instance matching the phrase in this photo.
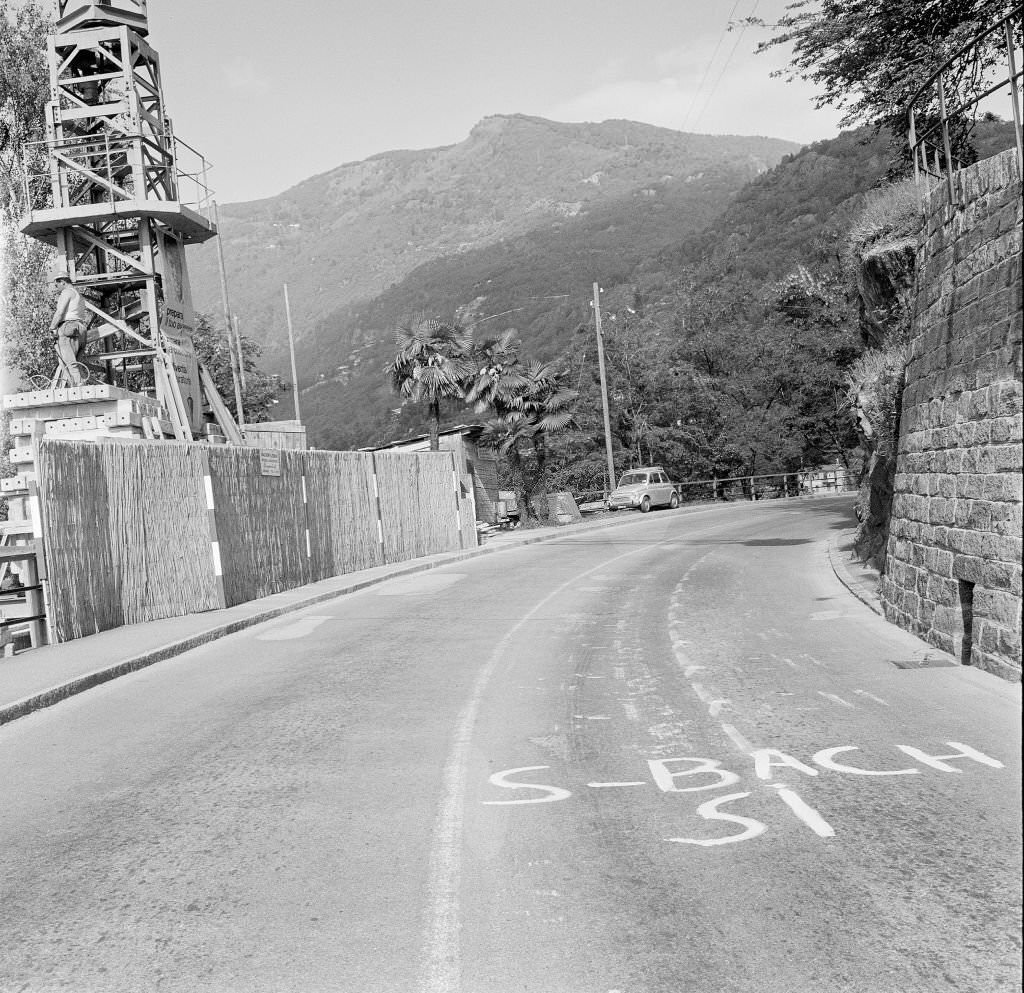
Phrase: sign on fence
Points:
(270, 462)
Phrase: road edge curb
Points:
(858, 589)
(79, 684)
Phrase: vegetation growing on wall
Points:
(881, 257)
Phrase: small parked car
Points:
(643, 489)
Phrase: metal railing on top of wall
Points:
(930, 144)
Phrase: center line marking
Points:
(716, 706)
(737, 739)
(836, 699)
(441, 962)
(871, 696)
(702, 694)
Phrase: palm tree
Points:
(534, 405)
(433, 362)
(499, 378)
(548, 406)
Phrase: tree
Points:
(24, 90)
(526, 419)
(261, 389)
(433, 362)
(26, 304)
(529, 402)
(871, 58)
(546, 406)
(498, 378)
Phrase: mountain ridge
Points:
(352, 232)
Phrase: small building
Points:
(275, 434)
(479, 465)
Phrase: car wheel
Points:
(674, 501)
(645, 505)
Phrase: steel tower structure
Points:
(120, 197)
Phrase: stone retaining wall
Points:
(953, 564)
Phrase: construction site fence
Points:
(770, 486)
(140, 531)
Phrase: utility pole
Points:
(291, 349)
(604, 388)
(239, 413)
(239, 352)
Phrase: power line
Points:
(732, 52)
(707, 68)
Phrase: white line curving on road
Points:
(441, 968)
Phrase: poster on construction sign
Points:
(178, 324)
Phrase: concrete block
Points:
(970, 568)
(1009, 645)
(1003, 430)
(999, 606)
(970, 486)
(1007, 518)
(18, 484)
(1002, 487)
(942, 592)
(21, 455)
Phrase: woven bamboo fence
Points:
(342, 513)
(419, 504)
(261, 523)
(127, 535)
(130, 535)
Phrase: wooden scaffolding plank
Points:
(220, 411)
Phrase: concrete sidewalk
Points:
(45, 676)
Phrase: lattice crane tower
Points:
(120, 197)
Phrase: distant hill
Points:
(597, 194)
(795, 213)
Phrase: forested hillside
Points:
(346, 236)
(795, 214)
(727, 347)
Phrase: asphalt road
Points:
(671, 756)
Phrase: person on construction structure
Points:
(71, 323)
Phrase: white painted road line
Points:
(441, 968)
(836, 699)
(871, 696)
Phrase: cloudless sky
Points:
(272, 92)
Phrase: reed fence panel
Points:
(342, 513)
(128, 530)
(126, 533)
(467, 510)
(418, 503)
(261, 523)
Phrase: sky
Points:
(273, 92)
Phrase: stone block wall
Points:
(953, 562)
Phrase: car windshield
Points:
(633, 478)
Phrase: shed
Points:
(275, 434)
(478, 465)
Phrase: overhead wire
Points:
(711, 62)
(725, 67)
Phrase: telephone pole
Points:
(234, 361)
(604, 388)
(291, 350)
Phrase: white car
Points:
(643, 489)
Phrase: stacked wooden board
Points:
(77, 413)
